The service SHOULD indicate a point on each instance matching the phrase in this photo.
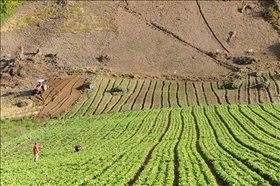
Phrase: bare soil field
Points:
(61, 94)
(178, 40)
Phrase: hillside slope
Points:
(187, 40)
(146, 37)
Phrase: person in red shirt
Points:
(36, 151)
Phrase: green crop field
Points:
(200, 145)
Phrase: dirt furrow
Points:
(238, 94)
(60, 96)
(198, 149)
(72, 98)
(81, 105)
(137, 95)
(145, 96)
(64, 100)
(175, 151)
(277, 88)
(186, 92)
(217, 97)
(129, 96)
(153, 95)
(55, 90)
(169, 96)
(155, 26)
(213, 33)
(270, 98)
(177, 95)
(92, 98)
(226, 96)
(253, 91)
(101, 98)
(109, 102)
(148, 156)
(161, 95)
(248, 90)
(119, 99)
(234, 146)
(196, 94)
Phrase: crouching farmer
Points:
(77, 147)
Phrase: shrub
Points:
(115, 90)
(7, 8)
(245, 60)
(272, 14)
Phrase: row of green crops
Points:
(210, 145)
(145, 94)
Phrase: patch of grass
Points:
(13, 128)
(77, 20)
(122, 4)
(30, 18)
(7, 9)
(91, 70)
(74, 70)
(75, 17)
(7, 84)
(18, 108)
(216, 55)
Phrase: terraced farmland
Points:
(201, 145)
(145, 94)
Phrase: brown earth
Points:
(60, 95)
(158, 39)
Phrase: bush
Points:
(273, 15)
(7, 8)
(245, 60)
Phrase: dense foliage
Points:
(202, 145)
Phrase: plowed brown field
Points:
(59, 96)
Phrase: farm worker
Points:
(36, 151)
(77, 147)
(38, 88)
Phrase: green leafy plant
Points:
(7, 8)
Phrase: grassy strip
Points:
(7, 9)
(13, 128)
